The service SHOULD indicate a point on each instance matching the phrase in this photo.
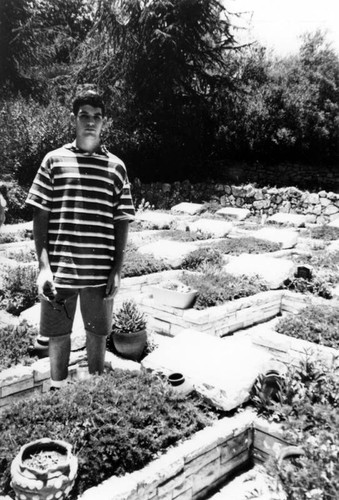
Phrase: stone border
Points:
(189, 471)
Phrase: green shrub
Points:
(203, 256)
(19, 288)
(117, 423)
(325, 233)
(137, 264)
(15, 342)
(237, 246)
(22, 255)
(315, 323)
(307, 407)
(217, 287)
(317, 285)
(11, 237)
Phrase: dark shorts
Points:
(57, 316)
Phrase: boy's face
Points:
(88, 123)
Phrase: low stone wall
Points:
(321, 207)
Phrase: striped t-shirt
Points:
(85, 195)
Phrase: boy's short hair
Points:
(88, 97)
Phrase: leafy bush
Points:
(237, 246)
(117, 423)
(22, 255)
(203, 256)
(11, 237)
(317, 285)
(217, 287)
(15, 342)
(19, 288)
(137, 264)
(307, 406)
(315, 323)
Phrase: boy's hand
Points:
(46, 287)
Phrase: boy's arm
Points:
(120, 235)
(46, 288)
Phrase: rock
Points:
(188, 208)
(227, 381)
(172, 252)
(334, 223)
(234, 213)
(288, 218)
(215, 228)
(274, 271)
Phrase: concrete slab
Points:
(296, 220)
(227, 381)
(172, 252)
(274, 271)
(234, 213)
(333, 246)
(335, 222)
(188, 208)
(155, 220)
(288, 238)
(211, 227)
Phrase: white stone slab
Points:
(188, 208)
(274, 271)
(297, 220)
(172, 252)
(222, 370)
(234, 213)
(335, 222)
(333, 246)
(155, 220)
(287, 237)
(215, 228)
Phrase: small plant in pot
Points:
(129, 336)
(174, 293)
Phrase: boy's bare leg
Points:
(59, 353)
(96, 349)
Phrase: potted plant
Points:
(45, 468)
(129, 335)
(174, 293)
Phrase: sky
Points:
(278, 24)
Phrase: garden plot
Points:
(218, 320)
(193, 469)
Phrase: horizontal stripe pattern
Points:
(85, 195)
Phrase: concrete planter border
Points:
(190, 470)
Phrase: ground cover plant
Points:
(18, 289)
(11, 237)
(215, 287)
(15, 344)
(307, 405)
(325, 232)
(117, 423)
(249, 244)
(138, 264)
(315, 323)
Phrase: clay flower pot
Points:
(44, 470)
(129, 334)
